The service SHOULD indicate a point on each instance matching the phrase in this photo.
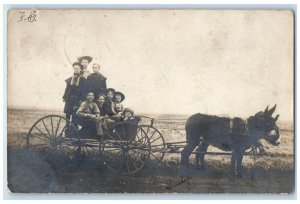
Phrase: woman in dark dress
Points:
(74, 93)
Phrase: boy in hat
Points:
(96, 81)
(117, 106)
(84, 61)
(74, 93)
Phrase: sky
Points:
(218, 62)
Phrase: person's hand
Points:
(105, 117)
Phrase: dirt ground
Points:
(29, 171)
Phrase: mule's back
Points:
(212, 129)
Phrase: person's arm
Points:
(113, 108)
(97, 111)
(104, 85)
(80, 112)
(66, 93)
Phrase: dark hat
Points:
(88, 58)
(110, 89)
(121, 94)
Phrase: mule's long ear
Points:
(276, 118)
(271, 111)
(266, 110)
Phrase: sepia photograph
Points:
(150, 101)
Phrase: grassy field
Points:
(29, 172)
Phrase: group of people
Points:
(88, 101)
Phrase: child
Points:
(128, 115)
(74, 93)
(129, 130)
(84, 61)
(89, 114)
(117, 106)
(96, 81)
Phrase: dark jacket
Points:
(97, 83)
(101, 108)
(107, 107)
(74, 94)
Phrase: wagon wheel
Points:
(157, 143)
(55, 136)
(125, 148)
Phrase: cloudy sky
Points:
(165, 61)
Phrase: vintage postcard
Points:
(150, 101)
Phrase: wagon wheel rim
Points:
(157, 143)
(125, 153)
(49, 135)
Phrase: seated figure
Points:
(89, 117)
(128, 115)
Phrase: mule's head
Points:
(263, 125)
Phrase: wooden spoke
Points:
(46, 127)
(52, 127)
(42, 132)
(40, 138)
(57, 127)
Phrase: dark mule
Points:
(227, 134)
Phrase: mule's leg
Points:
(193, 140)
(236, 162)
(239, 163)
(233, 161)
(186, 153)
(202, 148)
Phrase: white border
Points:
(134, 4)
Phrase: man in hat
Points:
(96, 81)
(84, 61)
(74, 93)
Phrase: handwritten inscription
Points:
(28, 16)
(183, 179)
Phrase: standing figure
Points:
(74, 93)
(96, 81)
(84, 61)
